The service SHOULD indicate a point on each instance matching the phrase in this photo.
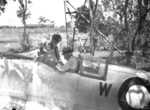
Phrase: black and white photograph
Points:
(74, 54)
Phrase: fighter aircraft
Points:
(98, 85)
(26, 84)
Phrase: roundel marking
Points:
(132, 94)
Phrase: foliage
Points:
(42, 20)
(2, 5)
(26, 45)
(142, 17)
(81, 23)
(132, 16)
(69, 24)
(129, 19)
(24, 13)
(21, 14)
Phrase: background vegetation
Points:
(129, 21)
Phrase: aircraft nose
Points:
(137, 97)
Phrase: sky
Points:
(50, 9)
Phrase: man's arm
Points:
(71, 64)
(64, 67)
(57, 53)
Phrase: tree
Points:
(43, 20)
(128, 18)
(133, 18)
(143, 11)
(81, 22)
(24, 13)
(2, 5)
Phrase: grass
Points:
(10, 39)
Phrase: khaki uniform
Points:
(72, 64)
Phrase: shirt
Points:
(72, 64)
(53, 49)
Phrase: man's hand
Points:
(58, 66)
(45, 50)
(60, 62)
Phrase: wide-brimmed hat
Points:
(67, 50)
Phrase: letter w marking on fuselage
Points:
(105, 88)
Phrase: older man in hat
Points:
(72, 61)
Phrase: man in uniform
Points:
(53, 48)
(72, 61)
(52, 56)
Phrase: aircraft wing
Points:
(10, 55)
